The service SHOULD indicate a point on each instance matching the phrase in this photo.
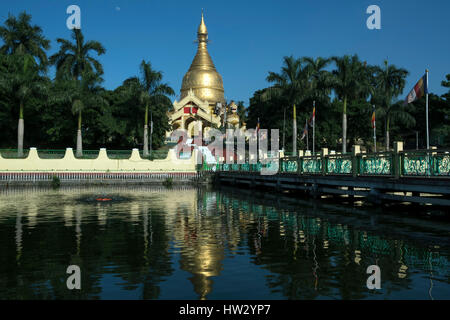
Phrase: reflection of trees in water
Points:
(310, 257)
(92, 236)
(307, 256)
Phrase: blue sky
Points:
(250, 38)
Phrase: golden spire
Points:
(202, 29)
(202, 76)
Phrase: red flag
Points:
(305, 131)
(373, 119)
(418, 91)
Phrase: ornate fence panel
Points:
(441, 163)
(416, 163)
(312, 164)
(339, 164)
(380, 163)
(273, 164)
(425, 163)
(289, 165)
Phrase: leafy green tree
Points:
(22, 43)
(389, 83)
(20, 37)
(74, 58)
(439, 122)
(321, 80)
(75, 64)
(350, 83)
(82, 94)
(152, 92)
(23, 82)
(446, 84)
(292, 83)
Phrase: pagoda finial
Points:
(202, 32)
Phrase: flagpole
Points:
(374, 130)
(426, 106)
(314, 126)
(307, 135)
(257, 141)
(294, 137)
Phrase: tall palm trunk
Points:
(146, 132)
(20, 132)
(79, 138)
(344, 127)
(387, 133)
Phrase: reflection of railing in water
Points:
(341, 235)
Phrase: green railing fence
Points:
(397, 163)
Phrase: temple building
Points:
(202, 103)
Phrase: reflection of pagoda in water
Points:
(202, 252)
(203, 261)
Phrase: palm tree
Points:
(82, 94)
(22, 81)
(389, 83)
(151, 93)
(74, 62)
(291, 83)
(74, 58)
(20, 37)
(321, 81)
(350, 82)
(22, 42)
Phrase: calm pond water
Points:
(189, 243)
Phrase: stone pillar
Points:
(431, 163)
(324, 158)
(356, 151)
(199, 128)
(397, 158)
(182, 123)
(300, 162)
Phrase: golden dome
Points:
(202, 76)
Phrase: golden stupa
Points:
(202, 105)
(202, 77)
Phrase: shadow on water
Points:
(188, 243)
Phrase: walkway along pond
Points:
(407, 176)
